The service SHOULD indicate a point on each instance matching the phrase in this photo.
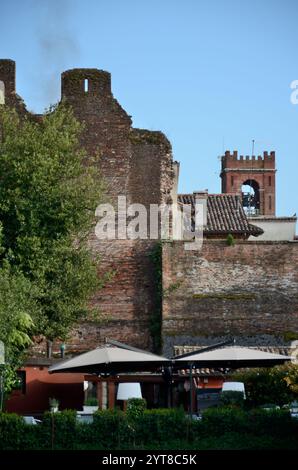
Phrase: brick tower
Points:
(256, 172)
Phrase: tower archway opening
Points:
(251, 197)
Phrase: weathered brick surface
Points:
(8, 77)
(135, 163)
(249, 290)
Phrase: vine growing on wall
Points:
(156, 317)
(155, 325)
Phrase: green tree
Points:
(48, 194)
(17, 304)
(274, 385)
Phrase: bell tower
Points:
(253, 178)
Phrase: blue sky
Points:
(212, 75)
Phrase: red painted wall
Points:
(40, 385)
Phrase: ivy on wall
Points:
(155, 325)
(156, 317)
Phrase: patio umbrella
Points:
(232, 357)
(110, 359)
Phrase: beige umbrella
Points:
(110, 359)
(233, 357)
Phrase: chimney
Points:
(201, 197)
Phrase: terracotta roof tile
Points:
(225, 214)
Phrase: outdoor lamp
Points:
(129, 390)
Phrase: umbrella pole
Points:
(190, 390)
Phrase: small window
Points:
(232, 180)
(270, 203)
(86, 85)
(269, 178)
(2, 92)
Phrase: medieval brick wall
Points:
(247, 291)
(135, 163)
(8, 79)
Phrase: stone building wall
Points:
(248, 291)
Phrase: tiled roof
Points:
(225, 214)
(206, 371)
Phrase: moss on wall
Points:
(225, 296)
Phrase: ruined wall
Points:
(8, 86)
(248, 291)
(135, 163)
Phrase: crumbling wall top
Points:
(80, 82)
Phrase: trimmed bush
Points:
(160, 425)
(135, 407)
(232, 397)
(218, 421)
(110, 429)
(58, 430)
(12, 428)
(220, 428)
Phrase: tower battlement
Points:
(233, 160)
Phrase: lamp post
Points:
(190, 390)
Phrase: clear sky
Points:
(212, 75)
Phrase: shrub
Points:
(160, 425)
(91, 401)
(135, 407)
(110, 429)
(232, 397)
(276, 423)
(221, 428)
(218, 421)
(274, 385)
(54, 403)
(12, 429)
(230, 240)
(58, 430)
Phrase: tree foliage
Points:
(277, 385)
(48, 194)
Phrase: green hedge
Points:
(220, 428)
